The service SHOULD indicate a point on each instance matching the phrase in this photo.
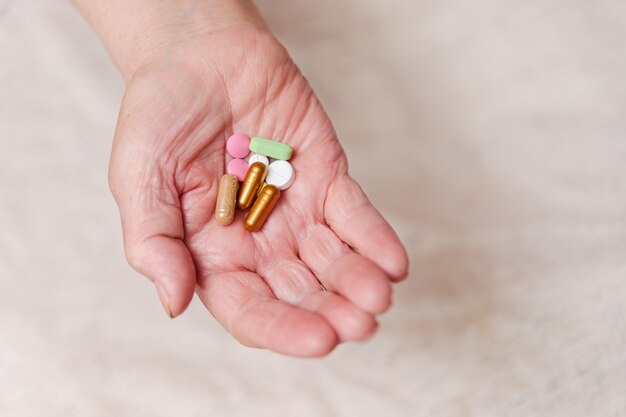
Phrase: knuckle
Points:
(135, 257)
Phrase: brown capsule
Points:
(251, 184)
(262, 208)
(226, 199)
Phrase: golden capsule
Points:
(262, 208)
(226, 199)
(251, 184)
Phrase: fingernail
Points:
(164, 300)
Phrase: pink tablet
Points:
(238, 167)
(238, 145)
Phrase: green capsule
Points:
(271, 148)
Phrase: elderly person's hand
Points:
(321, 268)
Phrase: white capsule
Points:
(280, 174)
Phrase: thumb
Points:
(152, 225)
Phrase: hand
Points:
(320, 269)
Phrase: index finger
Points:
(354, 219)
(243, 303)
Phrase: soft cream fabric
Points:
(498, 132)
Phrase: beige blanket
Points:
(499, 134)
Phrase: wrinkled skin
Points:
(321, 268)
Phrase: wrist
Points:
(139, 31)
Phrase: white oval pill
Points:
(255, 157)
(280, 174)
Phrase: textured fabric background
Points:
(499, 132)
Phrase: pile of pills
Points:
(263, 176)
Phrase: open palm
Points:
(321, 267)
